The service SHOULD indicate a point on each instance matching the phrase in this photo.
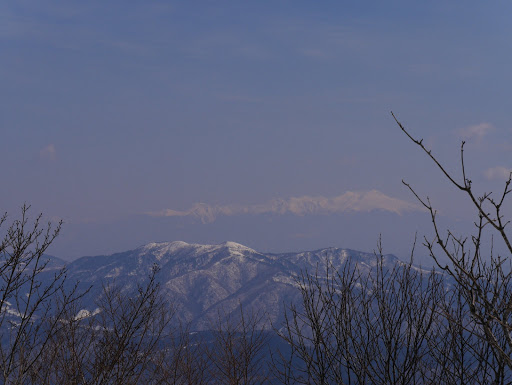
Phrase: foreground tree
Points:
(360, 326)
(184, 359)
(29, 314)
(119, 343)
(47, 337)
(238, 350)
(483, 279)
(392, 324)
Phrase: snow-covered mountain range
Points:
(203, 280)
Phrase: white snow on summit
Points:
(359, 201)
(160, 249)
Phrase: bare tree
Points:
(66, 358)
(120, 342)
(362, 327)
(28, 315)
(184, 359)
(482, 279)
(459, 355)
(132, 326)
(237, 353)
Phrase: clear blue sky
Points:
(121, 116)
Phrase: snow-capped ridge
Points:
(171, 246)
(237, 246)
(202, 279)
(174, 246)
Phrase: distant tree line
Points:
(386, 325)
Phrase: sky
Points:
(261, 122)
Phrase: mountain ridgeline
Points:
(203, 281)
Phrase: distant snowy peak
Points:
(350, 201)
